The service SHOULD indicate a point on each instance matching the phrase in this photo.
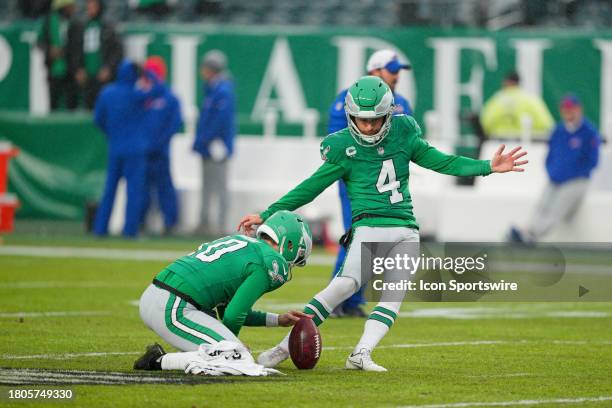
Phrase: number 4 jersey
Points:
(376, 177)
(230, 273)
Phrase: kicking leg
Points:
(346, 282)
(339, 289)
(321, 305)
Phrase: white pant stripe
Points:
(186, 329)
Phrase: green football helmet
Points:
(369, 98)
(292, 235)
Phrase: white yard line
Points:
(63, 285)
(468, 343)
(34, 376)
(53, 314)
(513, 403)
(331, 348)
(120, 254)
(103, 354)
(442, 344)
(499, 375)
(97, 253)
(26, 380)
(461, 313)
(66, 356)
(471, 313)
(75, 376)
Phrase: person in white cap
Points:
(386, 65)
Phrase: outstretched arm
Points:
(304, 193)
(429, 157)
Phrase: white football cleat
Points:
(363, 361)
(273, 357)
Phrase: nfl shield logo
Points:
(381, 150)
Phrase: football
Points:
(305, 344)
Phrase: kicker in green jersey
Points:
(376, 177)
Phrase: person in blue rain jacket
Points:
(120, 113)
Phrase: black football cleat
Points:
(151, 359)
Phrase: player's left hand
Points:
(248, 222)
(290, 318)
(503, 163)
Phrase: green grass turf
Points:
(539, 355)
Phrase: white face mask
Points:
(369, 140)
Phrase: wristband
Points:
(271, 320)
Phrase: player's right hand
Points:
(248, 222)
(290, 318)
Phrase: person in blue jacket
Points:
(164, 120)
(120, 113)
(386, 65)
(214, 139)
(573, 154)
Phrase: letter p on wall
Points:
(6, 58)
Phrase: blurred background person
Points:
(33, 8)
(120, 113)
(99, 53)
(512, 110)
(163, 120)
(386, 65)
(59, 39)
(572, 156)
(214, 140)
(153, 8)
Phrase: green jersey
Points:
(55, 36)
(376, 177)
(91, 47)
(229, 274)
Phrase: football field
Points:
(69, 320)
